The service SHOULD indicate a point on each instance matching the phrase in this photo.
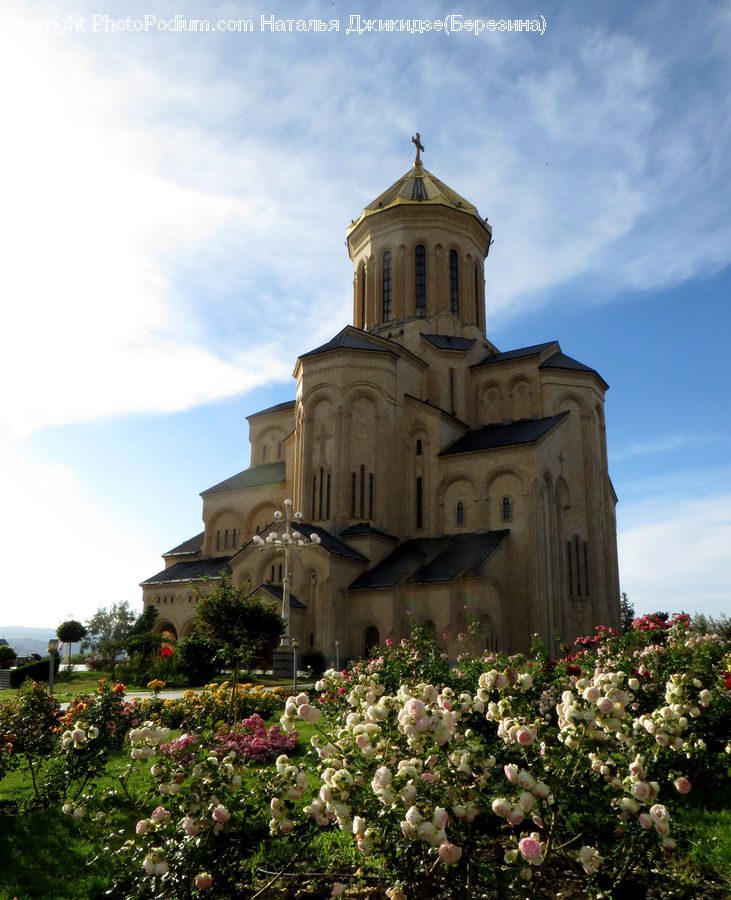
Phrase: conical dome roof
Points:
(418, 186)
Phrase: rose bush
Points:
(581, 763)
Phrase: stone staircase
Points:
(4, 679)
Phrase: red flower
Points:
(166, 651)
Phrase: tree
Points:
(237, 624)
(71, 632)
(107, 630)
(627, 613)
(141, 637)
(197, 657)
(7, 655)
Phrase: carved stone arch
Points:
(490, 401)
(318, 392)
(504, 496)
(255, 515)
(371, 637)
(448, 480)
(366, 390)
(225, 511)
(187, 628)
(458, 503)
(167, 629)
(500, 471)
(562, 493)
(571, 397)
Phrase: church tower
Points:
(443, 477)
(419, 252)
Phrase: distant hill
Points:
(26, 640)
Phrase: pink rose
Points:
(530, 848)
(449, 853)
(221, 814)
(682, 785)
(339, 887)
(203, 880)
(525, 737)
(142, 826)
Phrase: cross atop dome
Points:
(416, 141)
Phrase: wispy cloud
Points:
(662, 444)
(175, 220)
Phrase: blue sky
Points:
(173, 221)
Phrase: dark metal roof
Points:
(346, 340)
(330, 543)
(448, 341)
(196, 570)
(431, 560)
(277, 591)
(288, 404)
(366, 528)
(561, 361)
(192, 545)
(524, 431)
(437, 409)
(327, 541)
(267, 473)
(514, 354)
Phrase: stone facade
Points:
(442, 475)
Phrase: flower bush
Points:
(580, 764)
(208, 708)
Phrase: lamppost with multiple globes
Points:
(287, 539)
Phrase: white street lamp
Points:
(286, 539)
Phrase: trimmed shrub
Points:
(36, 671)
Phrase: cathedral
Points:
(438, 477)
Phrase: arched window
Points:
(419, 502)
(362, 296)
(264, 453)
(279, 450)
(477, 297)
(420, 281)
(371, 639)
(387, 286)
(418, 447)
(453, 282)
(235, 538)
(218, 540)
(460, 513)
(225, 539)
(507, 509)
(452, 406)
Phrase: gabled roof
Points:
(448, 341)
(192, 545)
(520, 353)
(438, 409)
(330, 543)
(267, 473)
(366, 528)
(196, 570)
(347, 339)
(431, 560)
(327, 541)
(279, 407)
(561, 361)
(277, 591)
(524, 431)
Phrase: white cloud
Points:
(64, 555)
(675, 554)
